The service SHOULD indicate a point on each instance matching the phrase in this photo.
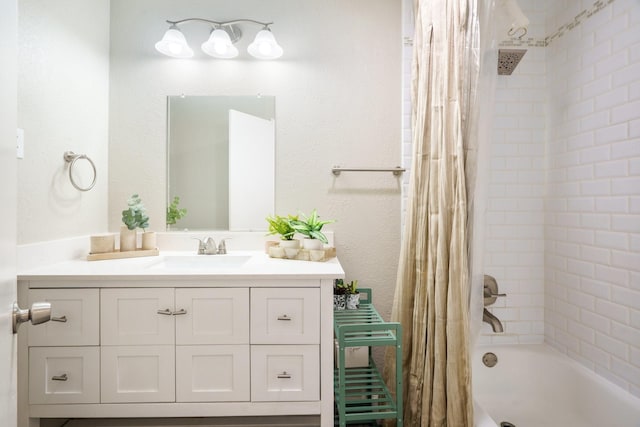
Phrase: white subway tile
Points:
(580, 236)
(634, 204)
(595, 254)
(613, 240)
(594, 155)
(580, 173)
(595, 121)
(625, 149)
(626, 297)
(613, 311)
(630, 186)
(625, 333)
(581, 299)
(595, 221)
(634, 126)
(627, 111)
(611, 345)
(623, 76)
(613, 98)
(597, 288)
(596, 355)
(612, 204)
(614, 168)
(611, 63)
(596, 87)
(629, 223)
(581, 332)
(601, 187)
(597, 53)
(634, 316)
(611, 134)
(628, 260)
(618, 276)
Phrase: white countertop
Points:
(186, 265)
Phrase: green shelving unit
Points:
(360, 394)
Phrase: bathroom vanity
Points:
(179, 335)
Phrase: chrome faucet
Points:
(490, 294)
(495, 323)
(207, 246)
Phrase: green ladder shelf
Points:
(361, 394)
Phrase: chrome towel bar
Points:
(395, 171)
(71, 158)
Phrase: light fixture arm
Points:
(220, 23)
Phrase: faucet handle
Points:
(222, 246)
(201, 245)
(209, 246)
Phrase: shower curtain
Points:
(432, 297)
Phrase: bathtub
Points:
(537, 386)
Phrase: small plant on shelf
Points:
(174, 213)
(339, 294)
(281, 226)
(311, 226)
(353, 296)
(135, 216)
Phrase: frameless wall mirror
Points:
(221, 161)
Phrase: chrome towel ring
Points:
(71, 158)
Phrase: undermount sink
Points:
(201, 262)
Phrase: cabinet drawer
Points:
(285, 373)
(213, 316)
(136, 316)
(74, 318)
(213, 373)
(285, 316)
(137, 374)
(64, 375)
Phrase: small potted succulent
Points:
(174, 213)
(310, 227)
(134, 217)
(353, 296)
(339, 294)
(287, 245)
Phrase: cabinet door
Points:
(285, 316)
(207, 373)
(212, 316)
(285, 373)
(64, 375)
(74, 318)
(136, 316)
(137, 374)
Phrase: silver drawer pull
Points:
(284, 317)
(179, 312)
(284, 375)
(62, 319)
(62, 377)
(166, 312)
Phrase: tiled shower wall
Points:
(592, 226)
(514, 234)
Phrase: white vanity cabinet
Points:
(179, 347)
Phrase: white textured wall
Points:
(592, 263)
(338, 99)
(62, 105)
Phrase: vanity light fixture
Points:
(221, 40)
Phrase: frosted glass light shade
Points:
(219, 45)
(174, 44)
(264, 46)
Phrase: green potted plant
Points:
(353, 296)
(287, 245)
(174, 213)
(310, 227)
(339, 294)
(134, 217)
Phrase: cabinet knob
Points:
(284, 317)
(39, 312)
(62, 377)
(284, 375)
(62, 319)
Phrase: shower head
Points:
(508, 60)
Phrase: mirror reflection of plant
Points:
(280, 225)
(135, 216)
(173, 212)
(311, 225)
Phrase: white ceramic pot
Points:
(127, 239)
(291, 244)
(312, 244)
(353, 301)
(149, 240)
